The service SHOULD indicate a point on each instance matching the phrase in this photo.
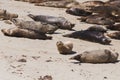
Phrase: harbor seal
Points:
(64, 48)
(61, 22)
(97, 28)
(88, 5)
(106, 10)
(5, 15)
(35, 26)
(97, 56)
(57, 4)
(17, 32)
(114, 35)
(114, 27)
(78, 12)
(90, 35)
(96, 19)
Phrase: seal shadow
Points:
(76, 62)
(54, 33)
(73, 52)
(72, 30)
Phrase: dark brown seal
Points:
(90, 35)
(97, 56)
(17, 32)
(114, 27)
(61, 22)
(35, 26)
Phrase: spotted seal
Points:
(97, 56)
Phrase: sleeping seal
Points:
(17, 32)
(97, 56)
(78, 12)
(5, 15)
(90, 35)
(61, 22)
(114, 35)
(35, 26)
(57, 3)
(114, 27)
(96, 19)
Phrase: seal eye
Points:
(59, 42)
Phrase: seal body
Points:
(90, 35)
(35, 26)
(114, 35)
(61, 22)
(96, 19)
(64, 48)
(106, 10)
(114, 27)
(57, 3)
(97, 56)
(5, 15)
(88, 5)
(17, 32)
(78, 12)
(97, 28)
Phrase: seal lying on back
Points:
(97, 56)
(114, 27)
(35, 26)
(93, 35)
(114, 35)
(61, 22)
(64, 48)
(17, 32)
(78, 12)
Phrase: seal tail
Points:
(77, 57)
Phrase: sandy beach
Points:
(42, 57)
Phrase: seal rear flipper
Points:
(31, 16)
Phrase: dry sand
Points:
(42, 55)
